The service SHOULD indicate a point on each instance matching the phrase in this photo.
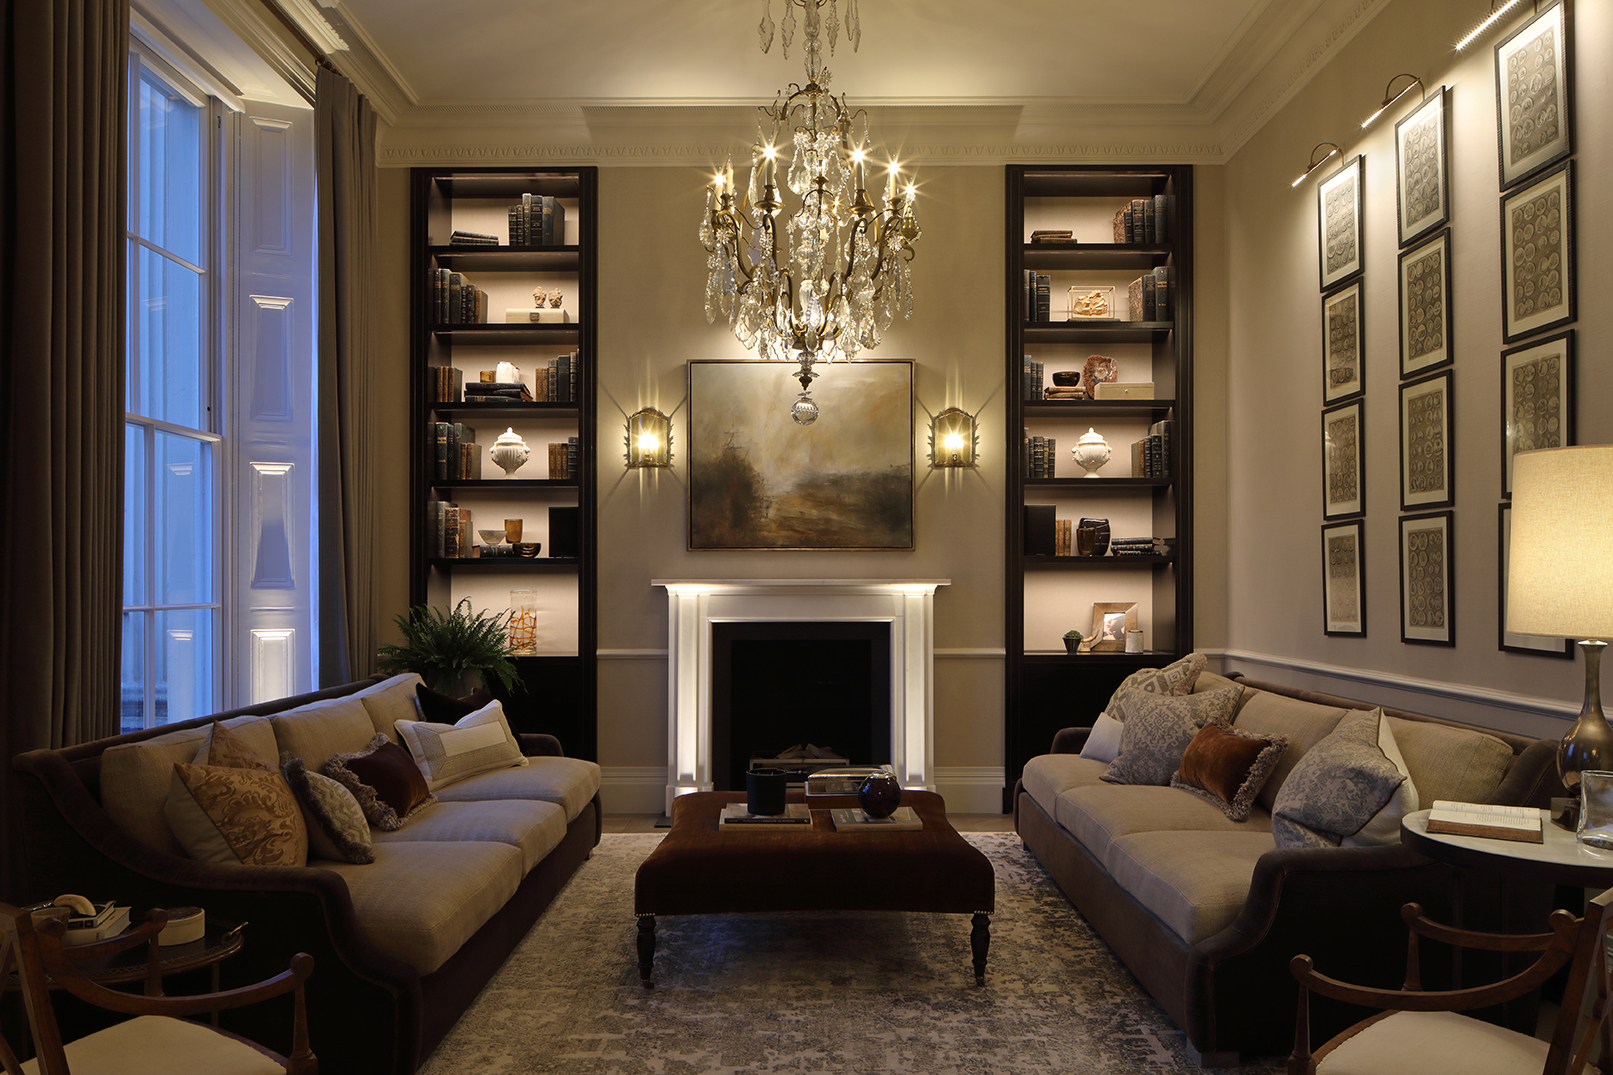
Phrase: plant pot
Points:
(1072, 646)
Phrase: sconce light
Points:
(1389, 101)
(1317, 162)
(1489, 21)
(649, 439)
(954, 440)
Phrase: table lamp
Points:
(1560, 576)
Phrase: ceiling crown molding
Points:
(312, 25)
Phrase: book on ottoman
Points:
(853, 819)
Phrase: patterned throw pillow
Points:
(383, 779)
(1157, 734)
(222, 814)
(337, 828)
(1229, 767)
(1174, 679)
(478, 743)
(220, 746)
(1338, 787)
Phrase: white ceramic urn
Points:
(510, 451)
(1091, 453)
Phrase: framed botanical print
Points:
(1425, 305)
(1534, 88)
(1427, 597)
(1537, 254)
(1422, 179)
(1343, 586)
(1511, 641)
(1342, 450)
(1426, 477)
(1537, 399)
(1341, 343)
(1338, 208)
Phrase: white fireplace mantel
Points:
(693, 605)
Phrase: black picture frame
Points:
(1537, 399)
(1506, 640)
(1338, 222)
(1343, 452)
(1427, 590)
(1344, 591)
(1534, 94)
(1426, 323)
(1343, 330)
(1422, 169)
(1538, 278)
(1427, 463)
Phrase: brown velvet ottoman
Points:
(700, 869)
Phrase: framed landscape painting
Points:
(757, 480)
(1343, 588)
(1537, 399)
(1425, 305)
(1509, 640)
(1342, 451)
(1426, 466)
(1427, 598)
(1341, 343)
(1537, 254)
(1338, 214)
(1534, 93)
(1422, 181)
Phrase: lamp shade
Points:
(1560, 568)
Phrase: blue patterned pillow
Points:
(1340, 785)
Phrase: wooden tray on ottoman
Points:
(811, 868)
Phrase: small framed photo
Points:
(1537, 254)
(1509, 640)
(1341, 343)
(1338, 208)
(1534, 88)
(1343, 485)
(1427, 596)
(1343, 589)
(1425, 305)
(1110, 622)
(1422, 179)
(1426, 467)
(1537, 399)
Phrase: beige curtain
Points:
(344, 134)
(62, 283)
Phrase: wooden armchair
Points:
(1419, 1031)
(156, 1040)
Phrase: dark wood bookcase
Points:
(1046, 688)
(559, 683)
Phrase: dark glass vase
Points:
(880, 795)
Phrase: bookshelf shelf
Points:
(1086, 256)
(548, 565)
(509, 258)
(564, 335)
(1097, 331)
(459, 412)
(1045, 563)
(1081, 409)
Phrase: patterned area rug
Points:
(814, 994)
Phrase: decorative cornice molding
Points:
(405, 156)
(245, 19)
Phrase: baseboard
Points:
(971, 789)
(642, 789)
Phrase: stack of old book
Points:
(1052, 237)
(1138, 546)
(1064, 392)
(497, 392)
(471, 238)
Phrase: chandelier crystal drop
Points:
(836, 274)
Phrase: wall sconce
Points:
(1489, 21)
(649, 439)
(1317, 162)
(1389, 101)
(954, 441)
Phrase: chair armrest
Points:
(1070, 740)
(540, 745)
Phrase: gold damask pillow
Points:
(223, 814)
(220, 746)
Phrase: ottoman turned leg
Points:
(646, 948)
(980, 942)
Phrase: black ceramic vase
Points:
(880, 795)
(764, 791)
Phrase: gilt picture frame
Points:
(1343, 579)
(1427, 595)
(1425, 305)
(1537, 254)
(1339, 227)
(1422, 169)
(1534, 94)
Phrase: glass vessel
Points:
(1596, 808)
(523, 622)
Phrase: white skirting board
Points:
(642, 789)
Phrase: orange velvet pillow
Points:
(1229, 767)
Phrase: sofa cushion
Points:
(135, 777)
(1048, 776)
(1158, 729)
(226, 814)
(1340, 784)
(384, 780)
(315, 731)
(221, 746)
(337, 827)
(1098, 815)
(1194, 882)
(534, 828)
(1458, 764)
(570, 783)
(1304, 724)
(1103, 742)
(1228, 767)
(421, 899)
(447, 753)
(440, 708)
(1175, 678)
(390, 701)
(1383, 828)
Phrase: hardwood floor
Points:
(961, 822)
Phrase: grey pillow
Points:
(337, 828)
(1175, 678)
(1159, 728)
(1338, 786)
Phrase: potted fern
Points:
(449, 649)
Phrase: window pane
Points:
(183, 521)
(165, 380)
(168, 188)
(135, 515)
(184, 665)
(133, 716)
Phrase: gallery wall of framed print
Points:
(1344, 609)
(1537, 254)
(757, 480)
(1537, 399)
(1338, 215)
(1422, 179)
(1509, 640)
(1425, 305)
(1534, 88)
(1426, 462)
(1343, 484)
(1341, 343)
(1427, 596)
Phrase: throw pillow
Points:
(220, 746)
(1103, 742)
(222, 814)
(337, 828)
(1383, 828)
(440, 708)
(1338, 786)
(478, 743)
(1229, 767)
(384, 780)
(1174, 679)
(1156, 734)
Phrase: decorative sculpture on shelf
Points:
(510, 452)
(1091, 453)
(538, 296)
(554, 298)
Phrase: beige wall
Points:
(1273, 525)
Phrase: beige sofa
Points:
(402, 944)
(1207, 911)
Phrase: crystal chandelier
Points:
(836, 274)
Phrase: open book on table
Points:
(1520, 823)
